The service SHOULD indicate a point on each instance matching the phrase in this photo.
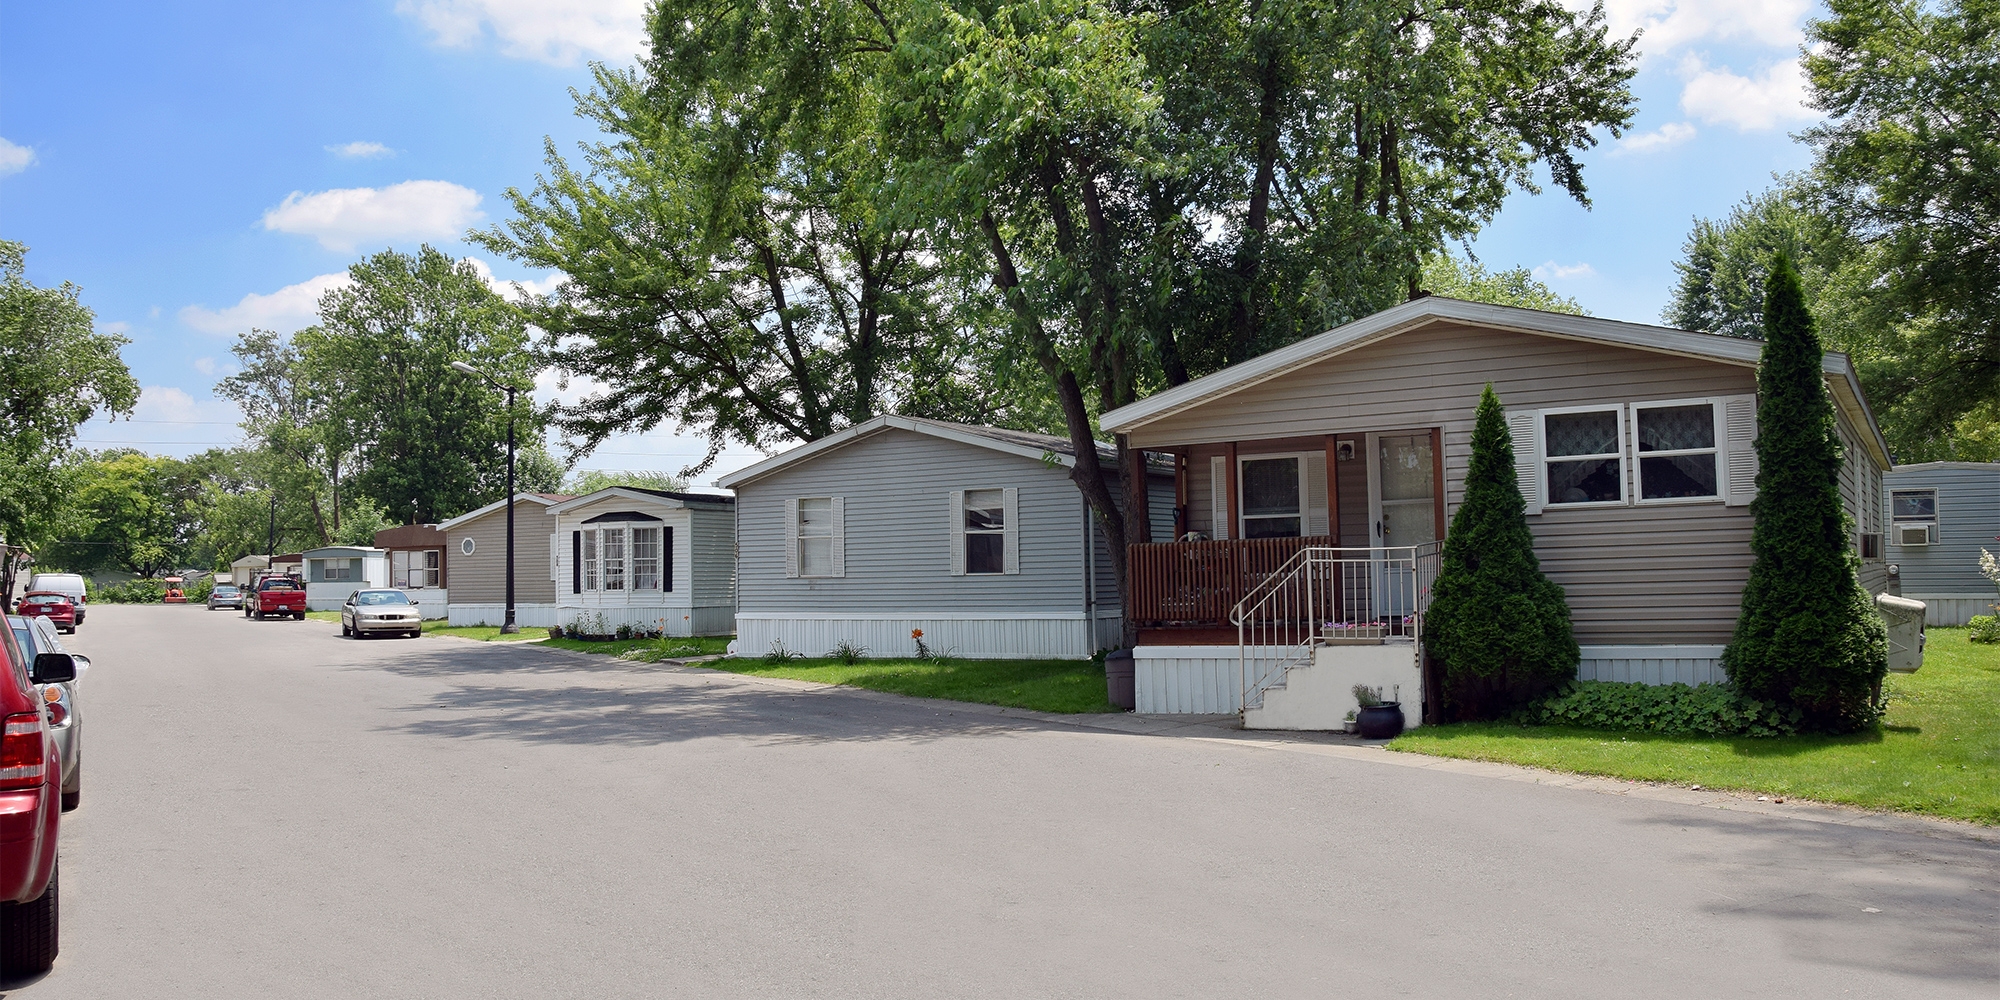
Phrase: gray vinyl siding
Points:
(1968, 506)
(481, 578)
(712, 556)
(1159, 507)
(1633, 575)
(896, 486)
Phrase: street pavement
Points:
(272, 811)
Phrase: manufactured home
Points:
(974, 536)
(335, 571)
(476, 545)
(1942, 514)
(1634, 448)
(648, 559)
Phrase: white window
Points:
(645, 558)
(1583, 456)
(589, 559)
(985, 531)
(415, 570)
(613, 549)
(815, 536)
(1677, 451)
(1914, 515)
(1272, 498)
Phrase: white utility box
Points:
(1906, 631)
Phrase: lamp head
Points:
(468, 369)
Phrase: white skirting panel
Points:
(1191, 680)
(1042, 638)
(1950, 611)
(678, 620)
(1653, 664)
(530, 615)
(434, 602)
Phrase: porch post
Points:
(1333, 489)
(1180, 494)
(1437, 477)
(1235, 529)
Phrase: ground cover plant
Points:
(646, 650)
(482, 633)
(1065, 686)
(1936, 750)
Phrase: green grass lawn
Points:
(1067, 686)
(483, 633)
(323, 616)
(646, 650)
(1937, 752)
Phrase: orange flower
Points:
(916, 633)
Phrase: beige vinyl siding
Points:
(1634, 575)
(481, 578)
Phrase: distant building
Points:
(1941, 515)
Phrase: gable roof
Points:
(638, 493)
(545, 499)
(1026, 444)
(1419, 313)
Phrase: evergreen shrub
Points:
(1673, 709)
(1808, 633)
(1499, 627)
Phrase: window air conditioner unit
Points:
(1913, 534)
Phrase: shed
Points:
(243, 572)
(650, 559)
(974, 535)
(1942, 514)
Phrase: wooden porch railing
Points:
(1199, 583)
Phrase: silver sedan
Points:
(38, 635)
(368, 612)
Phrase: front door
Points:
(1402, 502)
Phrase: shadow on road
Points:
(621, 703)
(1942, 926)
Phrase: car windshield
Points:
(26, 637)
(368, 597)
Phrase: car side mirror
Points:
(53, 668)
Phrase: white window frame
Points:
(1622, 455)
(796, 539)
(614, 566)
(1010, 533)
(1718, 432)
(640, 568)
(1934, 521)
(589, 536)
(1305, 494)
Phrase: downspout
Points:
(1089, 580)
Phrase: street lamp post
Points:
(508, 627)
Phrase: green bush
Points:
(1500, 628)
(1984, 628)
(140, 591)
(1674, 709)
(1808, 633)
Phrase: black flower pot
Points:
(1380, 722)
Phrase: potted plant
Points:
(1378, 719)
(1350, 725)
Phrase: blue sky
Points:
(202, 167)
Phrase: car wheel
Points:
(71, 800)
(28, 933)
(344, 630)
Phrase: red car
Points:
(30, 810)
(61, 613)
(277, 595)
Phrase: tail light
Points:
(23, 752)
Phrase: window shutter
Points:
(1218, 495)
(1010, 500)
(1313, 471)
(791, 536)
(1524, 426)
(576, 562)
(1739, 422)
(839, 536)
(554, 561)
(667, 560)
(957, 532)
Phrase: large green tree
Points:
(429, 441)
(1907, 157)
(1458, 277)
(1807, 634)
(56, 371)
(133, 512)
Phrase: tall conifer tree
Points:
(1808, 633)
(1498, 625)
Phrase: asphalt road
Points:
(272, 811)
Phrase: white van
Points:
(69, 584)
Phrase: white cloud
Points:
(284, 310)
(360, 150)
(552, 31)
(116, 326)
(507, 289)
(1750, 103)
(14, 159)
(341, 218)
(211, 368)
(1564, 272)
(1665, 137)
(1673, 24)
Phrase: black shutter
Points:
(576, 562)
(667, 560)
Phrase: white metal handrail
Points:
(1323, 594)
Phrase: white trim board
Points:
(889, 421)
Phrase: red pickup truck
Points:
(30, 809)
(276, 595)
